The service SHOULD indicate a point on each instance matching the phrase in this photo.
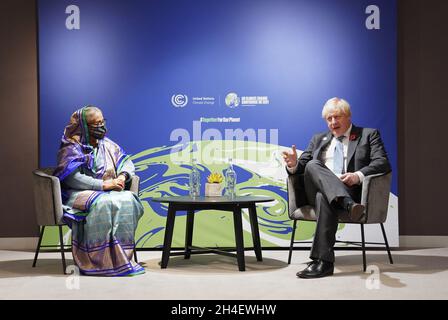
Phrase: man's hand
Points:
(113, 184)
(350, 178)
(290, 158)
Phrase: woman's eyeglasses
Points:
(97, 124)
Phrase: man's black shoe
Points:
(317, 269)
(310, 262)
(356, 211)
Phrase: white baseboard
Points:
(18, 243)
(423, 241)
(405, 242)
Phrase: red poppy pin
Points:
(352, 137)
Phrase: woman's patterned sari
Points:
(103, 223)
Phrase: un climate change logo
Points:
(232, 100)
(179, 100)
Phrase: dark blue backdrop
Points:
(130, 57)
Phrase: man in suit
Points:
(333, 167)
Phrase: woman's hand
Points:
(121, 180)
(113, 184)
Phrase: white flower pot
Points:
(213, 189)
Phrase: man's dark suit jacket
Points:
(365, 153)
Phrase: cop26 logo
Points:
(179, 100)
(232, 100)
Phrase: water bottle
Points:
(230, 180)
(195, 180)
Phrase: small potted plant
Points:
(213, 187)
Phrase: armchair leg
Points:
(363, 248)
(387, 244)
(38, 245)
(291, 245)
(135, 254)
(61, 240)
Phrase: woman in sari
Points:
(94, 171)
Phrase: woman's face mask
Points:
(98, 132)
(97, 126)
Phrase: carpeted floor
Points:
(415, 274)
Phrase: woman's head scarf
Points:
(75, 150)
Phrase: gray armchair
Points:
(48, 208)
(375, 197)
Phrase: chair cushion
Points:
(304, 213)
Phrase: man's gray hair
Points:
(334, 104)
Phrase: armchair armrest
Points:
(296, 193)
(375, 196)
(47, 197)
(135, 184)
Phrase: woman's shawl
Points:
(76, 152)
